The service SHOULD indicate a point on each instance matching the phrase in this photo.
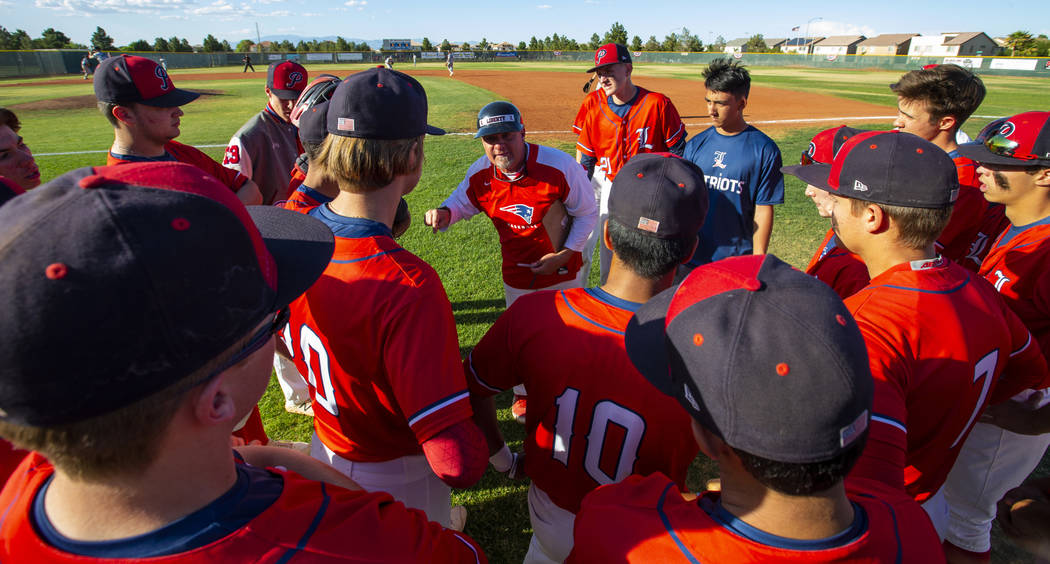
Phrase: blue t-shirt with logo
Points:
(742, 171)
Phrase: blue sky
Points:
(457, 20)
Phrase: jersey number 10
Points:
(605, 412)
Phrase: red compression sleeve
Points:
(458, 454)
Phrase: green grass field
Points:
(466, 257)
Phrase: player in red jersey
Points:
(772, 370)
(391, 409)
(624, 121)
(832, 264)
(1015, 173)
(933, 103)
(142, 104)
(132, 460)
(592, 418)
(517, 185)
(933, 329)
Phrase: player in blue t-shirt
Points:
(742, 168)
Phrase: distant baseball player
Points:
(391, 408)
(934, 103)
(143, 105)
(1014, 171)
(179, 285)
(518, 185)
(592, 418)
(942, 343)
(85, 66)
(449, 64)
(624, 121)
(742, 167)
(265, 147)
(16, 160)
(772, 370)
(388, 62)
(247, 60)
(832, 264)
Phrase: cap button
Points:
(56, 270)
(783, 369)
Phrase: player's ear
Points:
(946, 123)
(124, 114)
(267, 90)
(213, 404)
(606, 240)
(1042, 177)
(875, 219)
(710, 444)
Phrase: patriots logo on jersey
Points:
(163, 76)
(294, 78)
(720, 157)
(520, 210)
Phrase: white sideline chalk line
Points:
(768, 121)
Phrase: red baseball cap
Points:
(610, 54)
(128, 79)
(1023, 139)
(286, 79)
(824, 145)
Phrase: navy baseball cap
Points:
(286, 79)
(8, 190)
(610, 54)
(313, 124)
(886, 167)
(122, 281)
(379, 103)
(498, 117)
(765, 356)
(1022, 140)
(128, 79)
(659, 194)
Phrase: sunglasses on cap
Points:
(807, 159)
(1004, 147)
(280, 319)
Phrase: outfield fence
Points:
(61, 62)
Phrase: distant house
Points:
(838, 45)
(800, 45)
(957, 44)
(886, 44)
(396, 45)
(735, 46)
(775, 42)
(504, 46)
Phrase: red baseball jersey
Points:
(991, 226)
(835, 266)
(376, 340)
(517, 208)
(10, 458)
(296, 177)
(592, 99)
(308, 522)
(592, 418)
(967, 214)
(645, 519)
(175, 151)
(941, 345)
(1018, 265)
(652, 125)
(304, 199)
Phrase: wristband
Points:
(502, 460)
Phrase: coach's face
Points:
(16, 160)
(506, 150)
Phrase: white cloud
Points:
(358, 3)
(544, 6)
(92, 7)
(217, 8)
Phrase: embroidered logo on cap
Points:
(646, 224)
(689, 397)
(599, 56)
(1007, 128)
(345, 124)
(859, 186)
(163, 76)
(293, 78)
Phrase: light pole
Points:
(806, 36)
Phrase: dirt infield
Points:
(81, 102)
(549, 100)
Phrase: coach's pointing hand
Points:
(437, 218)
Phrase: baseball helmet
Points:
(498, 117)
(319, 90)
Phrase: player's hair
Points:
(311, 149)
(947, 90)
(917, 228)
(125, 441)
(809, 478)
(107, 110)
(8, 118)
(727, 75)
(363, 165)
(648, 257)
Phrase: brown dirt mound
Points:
(81, 102)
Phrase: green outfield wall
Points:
(65, 62)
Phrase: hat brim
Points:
(301, 247)
(286, 94)
(645, 340)
(592, 69)
(981, 154)
(176, 97)
(815, 175)
(498, 128)
(431, 130)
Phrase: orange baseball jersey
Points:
(837, 267)
(592, 418)
(991, 226)
(517, 207)
(304, 199)
(652, 125)
(967, 214)
(296, 176)
(175, 151)
(942, 345)
(592, 99)
(10, 458)
(268, 516)
(1018, 265)
(645, 519)
(377, 343)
